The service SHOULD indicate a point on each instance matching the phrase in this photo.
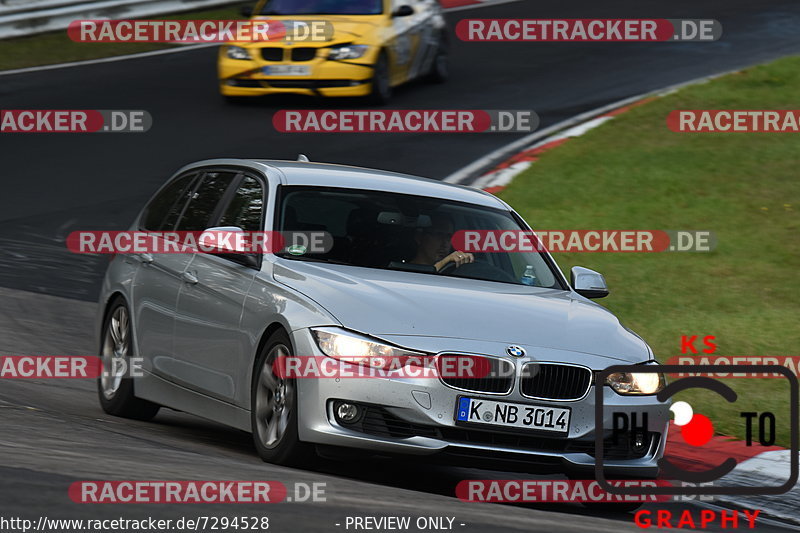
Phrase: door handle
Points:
(190, 278)
(146, 258)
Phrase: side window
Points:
(163, 210)
(246, 206)
(202, 206)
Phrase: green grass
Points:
(633, 173)
(56, 47)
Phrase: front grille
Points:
(244, 83)
(272, 54)
(303, 54)
(553, 381)
(498, 380)
(309, 84)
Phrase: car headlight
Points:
(636, 382)
(237, 52)
(353, 348)
(348, 51)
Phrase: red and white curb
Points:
(494, 169)
(758, 466)
(501, 175)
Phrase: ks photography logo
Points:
(696, 429)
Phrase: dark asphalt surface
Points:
(53, 433)
(57, 183)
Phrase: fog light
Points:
(346, 412)
(638, 441)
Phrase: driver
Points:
(433, 244)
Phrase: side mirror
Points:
(588, 283)
(246, 11)
(403, 11)
(224, 242)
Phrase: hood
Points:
(394, 303)
(345, 28)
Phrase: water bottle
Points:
(528, 277)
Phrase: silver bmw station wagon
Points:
(209, 327)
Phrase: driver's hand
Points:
(459, 258)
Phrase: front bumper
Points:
(415, 416)
(326, 78)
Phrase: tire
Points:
(116, 392)
(381, 84)
(273, 404)
(440, 69)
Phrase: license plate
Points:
(512, 415)
(287, 70)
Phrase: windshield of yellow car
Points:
(322, 7)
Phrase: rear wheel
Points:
(273, 412)
(440, 69)
(114, 389)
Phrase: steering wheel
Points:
(448, 267)
(478, 270)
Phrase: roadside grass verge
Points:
(56, 47)
(633, 173)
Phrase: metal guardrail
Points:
(29, 17)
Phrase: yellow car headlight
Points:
(348, 51)
(237, 52)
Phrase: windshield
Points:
(322, 7)
(403, 232)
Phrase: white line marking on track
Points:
(186, 48)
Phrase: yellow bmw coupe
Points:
(337, 48)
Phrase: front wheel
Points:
(273, 408)
(381, 84)
(114, 389)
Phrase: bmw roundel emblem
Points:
(515, 351)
